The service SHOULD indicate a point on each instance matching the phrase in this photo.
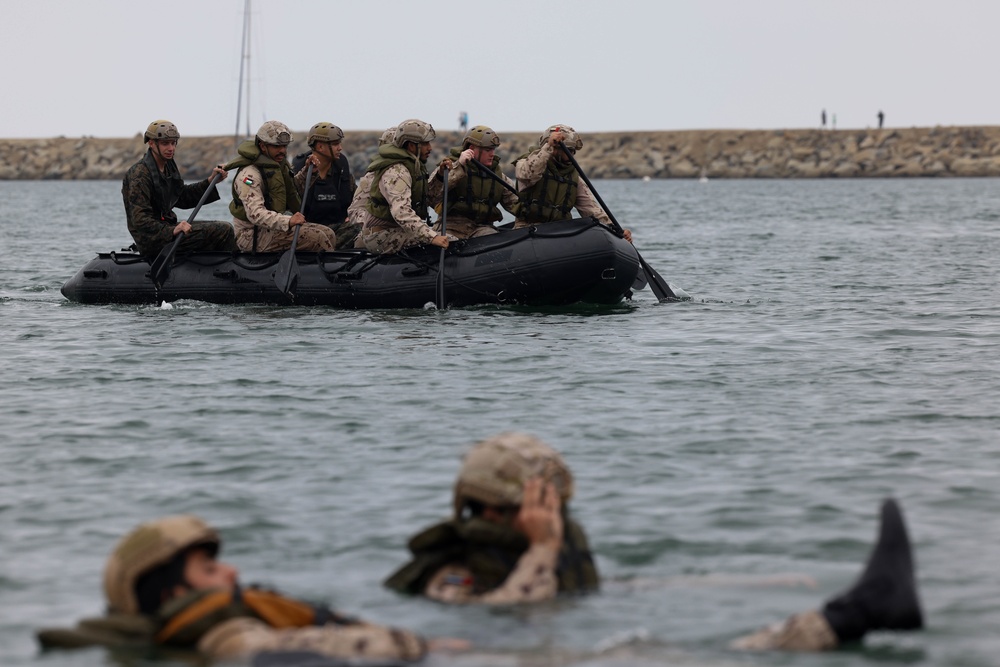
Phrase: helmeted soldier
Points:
(266, 199)
(165, 587)
(510, 538)
(474, 197)
(549, 184)
(359, 203)
(333, 185)
(395, 216)
(153, 187)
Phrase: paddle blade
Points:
(160, 268)
(661, 290)
(286, 273)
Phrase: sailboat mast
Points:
(244, 62)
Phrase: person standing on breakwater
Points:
(395, 215)
(881, 119)
(549, 184)
(333, 185)
(152, 188)
(822, 119)
(263, 192)
(474, 196)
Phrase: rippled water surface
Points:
(842, 346)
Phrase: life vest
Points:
(167, 186)
(389, 155)
(490, 551)
(277, 185)
(328, 199)
(183, 621)
(476, 196)
(553, 196)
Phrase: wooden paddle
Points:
(442, 303)
(160, 268)
(286, 274)
(659, 286)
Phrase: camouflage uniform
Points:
(529, 170)
(461, 226)
(406, 228)
(359, 203)
(808, 631)
(273, 233)
(150, 196)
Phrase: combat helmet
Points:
(147, 547)
(413, 130)
(571, 138)
(275, 133)
(482, 136)
(161, 130)
(494, 471)
(387, 136)
(327, 132)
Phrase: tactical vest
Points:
(277, 185)
(166, 186)
(490, 551)
(553, 196)
(476, 197)
(182, 622)
(389, 155)
(328, 199)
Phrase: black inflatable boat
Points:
(556, 263)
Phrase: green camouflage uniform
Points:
(150, 197)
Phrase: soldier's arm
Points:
(191, 194)
(395, 186)
(144, 223)
(249, 190)
(587, 204)
(508, 199)
(533, 579)
(241, 638)
(435, 183)
(530, 169)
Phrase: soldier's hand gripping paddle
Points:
(160, 268)
(286, 274)
(659, 286)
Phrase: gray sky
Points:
(108, 67)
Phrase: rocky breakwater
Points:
(910, 152)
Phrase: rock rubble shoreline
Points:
(795, 153)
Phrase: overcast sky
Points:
(109, 67)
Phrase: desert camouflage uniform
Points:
(461, 226)
(808, 631)
(359, 203)
(244, 637)
(533, 579)
(151, 220)
(530, 170)
(407, 228)
(273, 233)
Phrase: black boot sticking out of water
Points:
(885, 596)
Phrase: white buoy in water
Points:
(166, 306)
(646, 179)
(430, 305)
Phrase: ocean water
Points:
(842, 346)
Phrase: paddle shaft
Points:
(162, 261)
(287, 272)
(302, 207)
(441, 301)
(492, 174)
(659, 286)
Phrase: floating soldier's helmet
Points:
(482, 136)
(327, 132)
(570, 137)
(147, 547)
(275, 133)
(161, 130)
(413, 130)
(494, 471)
(387, 136)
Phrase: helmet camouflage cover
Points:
(161, 130)
(275, 133)
(494, 471)
(413, 130)
(387, 136)
(327, 132)
(482, 136)
(147, 547)
(572, 139)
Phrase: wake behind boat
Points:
(557, 263)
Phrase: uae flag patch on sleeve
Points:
(248, 180)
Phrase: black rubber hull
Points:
(557, 263)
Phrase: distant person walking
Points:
(833, 126)
(463, 121)
(881, 119)
(822, 119)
